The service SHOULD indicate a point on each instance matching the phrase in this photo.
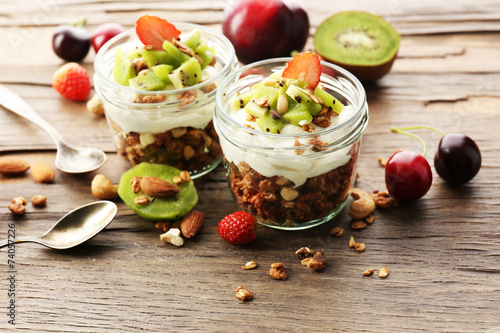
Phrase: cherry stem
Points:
(80, 23)
(403, 131)
(422, 127)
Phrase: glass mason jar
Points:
(288, 181)
(171, 127)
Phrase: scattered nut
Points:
(243, 294)
(136, 184)
(39, 200)
(20, 201)
(13, 166)
(191, 223)
(362, 206)
(368, 272)
(142, 200)
(177, 180)
(43, 172)
(17, 209)
(304, 252)
(289, 194)
(337, 232)
(318, 261)
(178, 131)
(382, 161)
(95, 106)
(305, 261)
(173, 236)
(360, 247)
(383, 272)
(384, 200)
(357, 225)
(157, 187)
(185, 176)
(250, 265)
(370, 219)
(282, 106)
(187, 97)
(163, 225)
(103, 188)
(278, 271)
(351, 242)
(188, 152)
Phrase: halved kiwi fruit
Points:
(363, 43)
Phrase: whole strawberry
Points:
(238, 228)
(72, 82)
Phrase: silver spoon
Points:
(74, 228)
(69, 159)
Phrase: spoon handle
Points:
(16, 104)
(21, 240)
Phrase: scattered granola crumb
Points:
(383, 272)
(39, 200)
(384, 200)
(243, 294)
(304, 252)
(318, 261)
(278, 271)
(142, 200)
(357, 225)
(337, 232)
(382, 161)
(250, 265)
(351, 242)
(305, 261)
(163, 225)
(368, 272)
(370, 219)
(360, 247)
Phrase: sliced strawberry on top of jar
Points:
(153, 31)
(304, 67)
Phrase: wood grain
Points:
(442, 251)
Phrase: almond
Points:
(13, 166)
(43, 172)
(191, 223)
(156, 187)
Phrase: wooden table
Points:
(442, 251)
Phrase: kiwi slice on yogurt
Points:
(363, 43)
(161, 208)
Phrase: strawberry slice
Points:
(153, 31)
(304, 67)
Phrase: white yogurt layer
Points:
(288, 164)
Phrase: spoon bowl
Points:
(69, 159)
(74, 228)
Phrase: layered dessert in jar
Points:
(290, 132)
(158, 84)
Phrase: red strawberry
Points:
(72, 82)
(305, 67)
(153, 31)
(238, 228)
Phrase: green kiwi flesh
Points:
(363, 43)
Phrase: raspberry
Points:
(238, 228)
(72, 82)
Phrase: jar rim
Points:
(117, 40)
(232, 78)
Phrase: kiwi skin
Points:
(365, 73)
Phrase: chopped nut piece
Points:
(102, 188)
(289, 194)
(142, 200)
(178, 131)
(305, 261)
(39, 200)
(188, 152)
(173, 236)
(250, 265)
(318, 261)
(383, 272)
(352, 242)
(19, 201)
(136, 184)
(149, 99)
(43, 172)
(263, 102)
(185, 176)
(370, 219)
(337, 232)
(140, 64)
(318, 145)
(208, 88)
(305, 252)
(382, 161)
(17, 209)
(308, 128)
(278, 271)
(163, 225)
(357, 225)
(368, 272)
(385, 202)
(177, 180)
(362, 206)
(187, 97)
(249, 117)
(360, 247)
(243, 294)
(314, 98)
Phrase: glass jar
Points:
(289, 181)
(171, 127)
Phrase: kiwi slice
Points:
(174, 52)
(188, 74)
(147, 81)
(240, 101)
(168, 208)
(270, 125)
(255, 110)
(329, 100)
(123, 69)
(298, 114)
(162, 71)
(363, 43)
(157, 57)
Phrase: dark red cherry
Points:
(457, 159)
(408, 175)
(71, 42)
